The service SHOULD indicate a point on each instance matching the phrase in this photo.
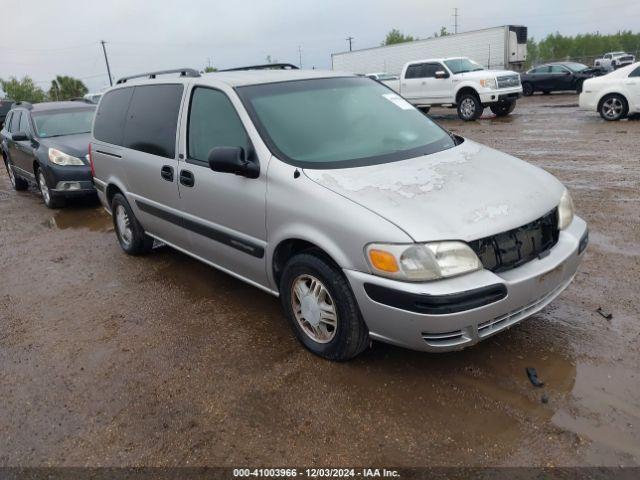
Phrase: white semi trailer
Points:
(502, 47)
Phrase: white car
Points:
(615, 95)
(458, 82)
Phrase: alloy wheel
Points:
(314, 309)
(612, 108)
(468, 108)
(12, 177)
(42, 183)
(124, 225)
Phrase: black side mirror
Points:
(19, 137)
(233, 160)
(441, 74)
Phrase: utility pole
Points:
(106, 60)
(455, 20)
(300, 56)
(350, 39)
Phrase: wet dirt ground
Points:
(111, 360)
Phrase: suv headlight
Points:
(565, 210)
(419, 262)
(489, 83)
(61, 158)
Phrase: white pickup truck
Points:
(613, 60)
(458, 82)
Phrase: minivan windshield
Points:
(340, 122)
(463, 65)
(57, 123)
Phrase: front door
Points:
(224, 213)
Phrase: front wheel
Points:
(129, 232)
(469, 107)
(613, 107)
(527, 89)
(579, 87)
(16, 182)
(321, 308)
(51, 200)
(502, 109)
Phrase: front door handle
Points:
(166, 172)
(186, 178)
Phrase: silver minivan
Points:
(366, 218)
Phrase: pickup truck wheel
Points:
(502, 109)
(613, 107)
(469, 107)
(424, 110)
(16, 182)
(527, 89)
(129, 232)
(321, 308)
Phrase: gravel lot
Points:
(160, 360)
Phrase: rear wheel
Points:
(129, 232)
(424, 109)
(17, 183)
(51, 200)
(502, 109)
(469, 107)
(527, 89)
(321, 308)
(613, 107)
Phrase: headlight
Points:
(489, 83)
(565, 210)
(420, 262)
(61, 158)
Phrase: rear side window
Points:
(24, 123)
(213, 122)
(152, 119)
(15, 122)
(415, 71)
(110, 118)
(635, 73)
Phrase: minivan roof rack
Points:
(268, 66)
(184, 72)
(24, 104)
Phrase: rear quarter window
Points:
(635, 73)
(110, 117)
(152, 119)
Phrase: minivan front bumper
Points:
(455, 313)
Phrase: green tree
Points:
(395, 36)
(443, 32)
(22, 90)
(210, 69)
(66, 88)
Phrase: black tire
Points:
(469, 107)
(613, 107)
(579, 87)
(546, 92)
(527, 89)
(424, 110)
(350, 335)
(133, 241)
(51, 200)
(18, 183)
(502, 109)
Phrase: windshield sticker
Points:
(398, 101)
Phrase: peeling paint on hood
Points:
(465, 193)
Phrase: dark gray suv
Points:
(47, 143)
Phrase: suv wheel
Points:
(613, 107)
(469, 107)
(17, 183)
(527, 89)
(502, 109)
(321, 308)
(50, 199)
(130, 233)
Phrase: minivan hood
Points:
(76, 145)
(467, 192)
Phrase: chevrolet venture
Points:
(365, 217)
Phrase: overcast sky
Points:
(42, 38)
